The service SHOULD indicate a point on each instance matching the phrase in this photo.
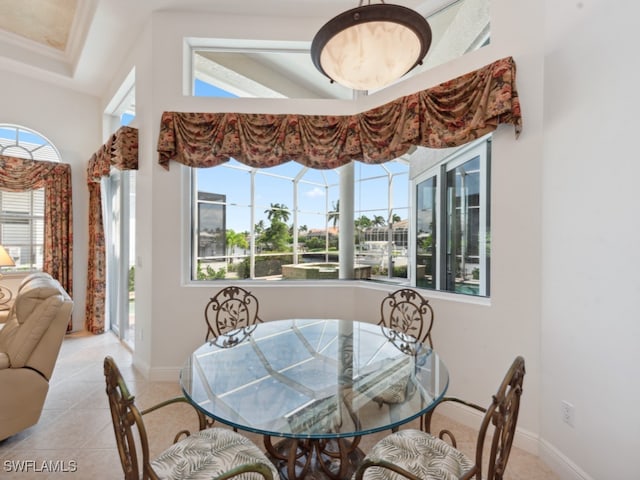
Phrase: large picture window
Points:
(284, 222)
(452, 223)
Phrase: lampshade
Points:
(371, 46)
(5, 259)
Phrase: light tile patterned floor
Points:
(74, 436)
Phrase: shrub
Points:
(475, 274)
(265, 266)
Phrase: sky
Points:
(275, 185)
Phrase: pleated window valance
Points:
(120, 151)
(450, 114)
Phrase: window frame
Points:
(480, 148)
(330, 190)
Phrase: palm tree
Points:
(258, 230)
(278, 213)
(361, 224)
(395, 218)
(334, 215)
(235, 239)
(378, 221)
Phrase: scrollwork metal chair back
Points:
(408, 318)
(231, 315)
(409, 453)
(208, 453)
(502, 414)
(127, 418)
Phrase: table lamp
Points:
(5, 293)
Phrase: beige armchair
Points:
(29, 346)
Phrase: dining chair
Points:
(215, 453)
(419, 455)
(408, 318)
(231, 314)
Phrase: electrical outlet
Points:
(567, 412)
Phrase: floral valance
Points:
(19, 174)
(120, 151)
(450, 114)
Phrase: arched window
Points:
(22, 213)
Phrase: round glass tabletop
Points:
(314, 378)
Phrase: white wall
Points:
(590, 323)
(72, 122)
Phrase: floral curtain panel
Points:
(121, 152)
(450, 114)
(19, 175)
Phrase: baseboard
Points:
(142, 367)
(560, 464)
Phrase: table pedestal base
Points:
(315, 459)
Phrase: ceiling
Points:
(68, 42)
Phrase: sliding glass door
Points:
(119, 208)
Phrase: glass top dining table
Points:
(313, 379)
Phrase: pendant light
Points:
(371, 46)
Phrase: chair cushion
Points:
(31, 330)
(26, 281)
(418, 452)
(32, 294)
(209, 453)
(33, 276)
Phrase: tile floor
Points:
(74, 436)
